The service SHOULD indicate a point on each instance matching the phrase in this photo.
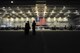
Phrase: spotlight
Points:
(76, 12)
(7, 19)
(17, 19)
(32, 19)
(54, 19)
(48, 19)
(12, 1)
(53, 11)
(3, 8)
(59, 19)
(20, 12)
(18, 8)
(64, 8)
(27, 19)
(65, 19)
(61, 11)
(22, 19)
(69, 11)
(13, 12)
(29, 12)
(12, 19)
(55, 8)
(9, 8)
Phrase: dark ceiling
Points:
(33, 2)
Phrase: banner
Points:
(40, 21)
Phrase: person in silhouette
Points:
(54, 27)
(33, 28)
(27, 28)
(70, 27)
(65, 27)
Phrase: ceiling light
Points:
(13, 12)
(12, 2)
(64, 7)
(20, 12)
(61, 11)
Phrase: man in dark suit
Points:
(33, 28)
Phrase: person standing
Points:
(27, 28)
(65, 27)
(33, 28)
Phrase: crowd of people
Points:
(34, 26)
(64, 28)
